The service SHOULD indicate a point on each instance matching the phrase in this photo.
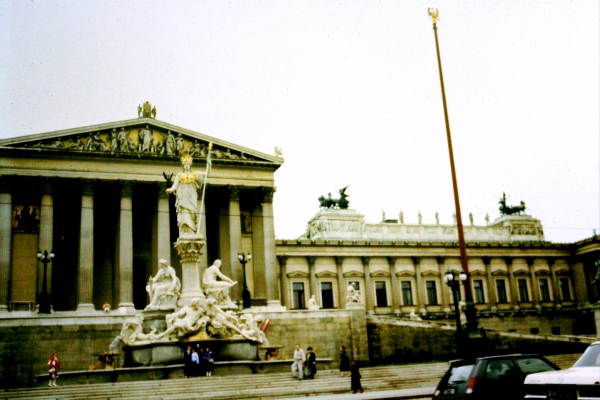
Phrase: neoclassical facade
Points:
(400, 268)
(96, 197)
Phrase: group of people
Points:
(305, 364)
(198, 361)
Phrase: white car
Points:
(581, 382)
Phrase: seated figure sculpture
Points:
(164, 288)
(215, 288)
(250, 326)
(352, 295)
(312, 304)
(132, 331)
(220, 323)
(189, 319)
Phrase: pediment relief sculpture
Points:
(353, 274)
(326, 274)
(405, 273)
(500, 272)
(297, 274)
(380, 274)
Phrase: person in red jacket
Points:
(53, 371)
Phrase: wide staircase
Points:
(259, 386)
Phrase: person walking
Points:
(187, 362)
(297, 365)
(344, 362)
(53, 370)
(195, 363)
(210, 361)
(311, 363)
(355, 378)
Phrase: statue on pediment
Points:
(139, 110)
(170, 145)
(179, 142)
(154, 112)
(146, 110)
(114, 141)
(186, 187)
(197, 150)
(94, 143)
(145, 140)
(76, 144)
(122, 138)
(231, 156)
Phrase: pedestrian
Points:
(53, 370)
(187, 362)
(195, 363)
(355, 379)
(210, 361)
(344, 362)
(202, 361)
(311, 363)
(298, 363)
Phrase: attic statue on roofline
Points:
(342, 203)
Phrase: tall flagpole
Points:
(470, 311)
(208, 167)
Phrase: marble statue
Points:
(196, 150)
(312, 304)
(352, 295)
(189, 319)
(401, 217)
(114, 141)
(220, 323)
(55, 144)
(217, 289)
(382, 215)
(454, 217)
(122, 138)
(170, 144)
(471, 218)
(278, 152)
(131, 145)
(139, 110)
(243, 156)
(76, 144)
(94, 143)
(154, 112)
(437, 218)
(146, 109)
(231, 156)
(164, 288)
(420, 216)
(132, 331)
(414, 316)
(250, 326)
(487, 219)
(186, 187)
(145, 140)
(179, 142)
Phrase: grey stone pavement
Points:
(414, 393)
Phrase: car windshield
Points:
(590, 358)
(530, 365)
(459, 374)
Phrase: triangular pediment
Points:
(140, 137)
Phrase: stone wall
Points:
(25, 350)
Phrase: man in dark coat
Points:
(311, 363)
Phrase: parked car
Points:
(490, 378)
(581, 382)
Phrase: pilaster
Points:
(285, 282)
(555, 283)
(514, 290)
(535, 287)
(421, 299)
(492, 295)
(368, 285)
(339, 262)
(395, 286)
(444, 287)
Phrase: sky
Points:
(349, 90)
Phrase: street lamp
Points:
(44, 297)
(453, 281)
(245, 292)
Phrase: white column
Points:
(235, 242)
(125, 260)
(273, 301)
(45, 233)
(5, 242)
(163, 225)
(85, 281)
(368, 286)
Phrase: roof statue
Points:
(510, 210)
(146, 110)
(278, 152)
(329, 202)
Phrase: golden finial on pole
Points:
(434, 14)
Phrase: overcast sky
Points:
(348, 89)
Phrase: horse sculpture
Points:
(341, 203)
(510, 210)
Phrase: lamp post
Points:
(44, 297)
(472, 331)
(454, 284)
(245, 292)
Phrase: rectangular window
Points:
(565, 290)
(327, 294)
(298, 296)
(544, 289)
(501, 290)
(431, 293)
(478, 289)
(523, 293)
(381, 294)
(407, 298)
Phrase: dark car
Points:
(486, 378)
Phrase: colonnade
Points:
(229, 237)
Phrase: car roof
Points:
(502, 356)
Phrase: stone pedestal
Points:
(355, 306)
(190, 252)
